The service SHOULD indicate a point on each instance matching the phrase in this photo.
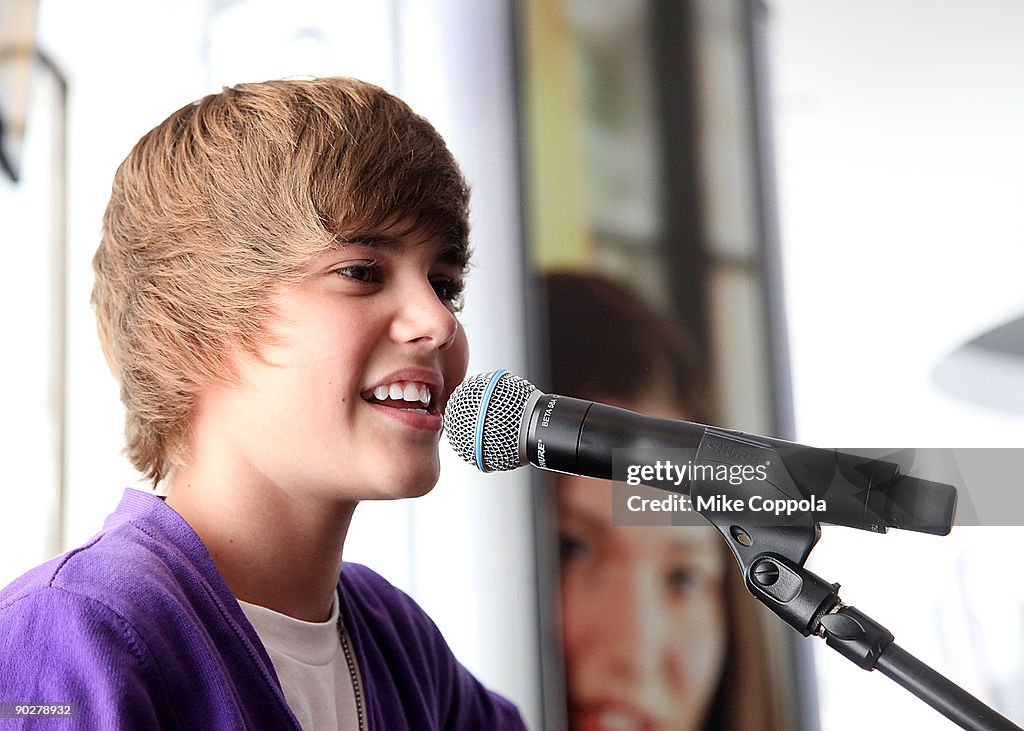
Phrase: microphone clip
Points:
(770, 547)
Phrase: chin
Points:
(405, 485)
(421, 490)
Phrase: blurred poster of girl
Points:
(658, 632)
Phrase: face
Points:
(643, 616)
(346, 402)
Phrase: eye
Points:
(366, 272)
(449, 291)
(571, 547)
(683, 581)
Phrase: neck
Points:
(273, 548)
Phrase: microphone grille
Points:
(483, 419)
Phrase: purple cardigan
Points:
(139, 628)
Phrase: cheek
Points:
(577, 624)
(456, 360)
(700, 645)
(588, 601)
(573, 602)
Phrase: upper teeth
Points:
(403, 391)
(619, 721)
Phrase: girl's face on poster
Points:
(643, 616)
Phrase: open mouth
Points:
(602, 717)
(409, 395)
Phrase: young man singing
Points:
(277, 290)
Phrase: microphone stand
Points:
(771, 555)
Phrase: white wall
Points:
(901, 165)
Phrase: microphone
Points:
(499, 421)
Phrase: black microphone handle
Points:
(579, 437)
(572, 435)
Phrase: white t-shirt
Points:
(311, 665)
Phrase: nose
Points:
(635, 627)
(422, 318)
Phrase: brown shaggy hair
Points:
(227, 201)
(604, 339)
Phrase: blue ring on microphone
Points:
(478, 442)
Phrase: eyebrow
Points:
(578, 514)
(683, 540)
(690, 546)
(372, 241)
(450, 254)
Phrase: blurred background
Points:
(819, 193)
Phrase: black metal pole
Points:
(939, 692)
